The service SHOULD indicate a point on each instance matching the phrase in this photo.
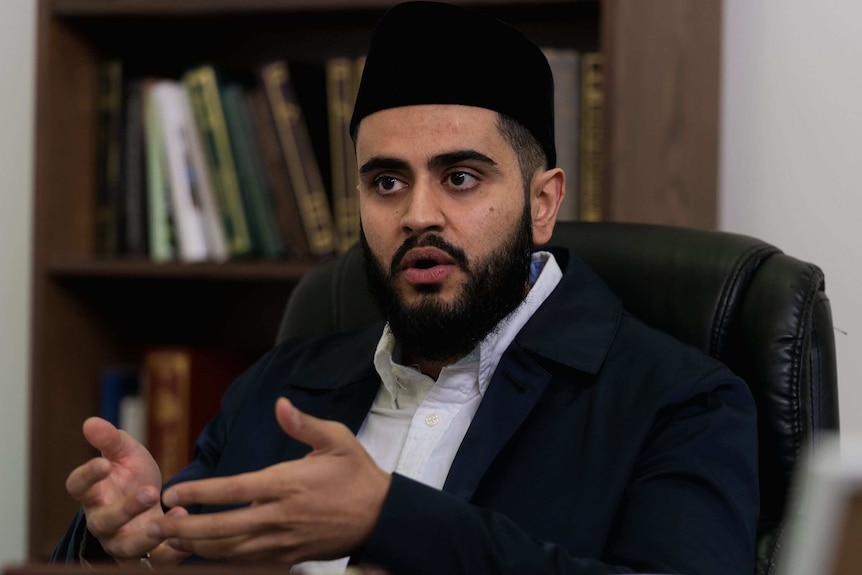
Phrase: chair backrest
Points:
(763, 313)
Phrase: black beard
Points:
(435, 331)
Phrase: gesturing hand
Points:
(322, 506)
(119, 493)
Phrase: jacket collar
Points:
(577, 322)
(574, 327)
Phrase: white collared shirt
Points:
(415, 425)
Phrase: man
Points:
(511, 418)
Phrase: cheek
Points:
(375, 228)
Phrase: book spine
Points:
(345, 195)
(301, 163)
(167, 380)
(275, 171)
(203, 90)
(565, 66)
(200, 174)
(134, 206)
(186, 203)
(108, 150)
(592, 110)
(115, 384)
(258, 202)
(161, 242)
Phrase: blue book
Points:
(116, 382)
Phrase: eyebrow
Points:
(436, 162)
(382, 163)
(458, 156)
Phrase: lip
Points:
(414, 256)
(443, 266)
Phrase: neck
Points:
(430, 368)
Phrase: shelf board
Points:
(253, 271)
(72, 8)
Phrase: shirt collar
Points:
(545, 274)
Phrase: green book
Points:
(257, 197)
(202, 87)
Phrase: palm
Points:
(118, 491)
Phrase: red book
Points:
(183, 387)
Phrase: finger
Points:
(164, 555)
(232, 490)
(112, 442)
(206, 548)
(267, 548)
(219, 525)
(106, 520)
(85, 476)
(318, 433)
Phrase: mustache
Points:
(431, 241)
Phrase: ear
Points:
(547, 192)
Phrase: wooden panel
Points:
(662, 76)
(66, 345)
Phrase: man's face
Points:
(446, 225)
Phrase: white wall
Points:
(17, 50)
(791, 150)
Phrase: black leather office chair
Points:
(763, 313)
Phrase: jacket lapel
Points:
(514, 390)
(574, 327)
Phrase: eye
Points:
(387, 185)
(462, 180)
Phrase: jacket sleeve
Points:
(78, 546)
(690, 507)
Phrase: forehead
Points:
(428, 129)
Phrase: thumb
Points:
(318, 433)
(112, 442)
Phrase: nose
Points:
(423, 211)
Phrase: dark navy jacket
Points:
(600, 446)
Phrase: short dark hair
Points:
(531, 156)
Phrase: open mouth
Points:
(426, 258)
(426, 265)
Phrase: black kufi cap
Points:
(436, 53)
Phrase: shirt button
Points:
(432, 419)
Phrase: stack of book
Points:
(209, 168)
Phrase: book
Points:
(194, 214)
(161, 242)
(275, 172)
(565, 66)
(341, 85)
(108, 149)
(183, 386)
(115, 383)
(302, 165)
(592, 127)
(257, 199)
(202, 86)
(132, 204)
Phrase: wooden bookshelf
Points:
(660, 165)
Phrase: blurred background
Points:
(791, 134)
